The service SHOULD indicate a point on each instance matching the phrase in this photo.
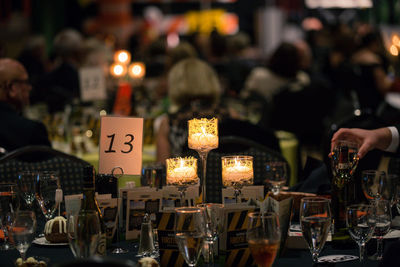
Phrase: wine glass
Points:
(315, 221)
(83, 231)
(26, 182)
(360, 222)
(263, 236)
(276, 175)
(214, 217)
(9, 204)
(383, 219)
(23, 230)
(372, 183)
(190, 232)
(46, 186)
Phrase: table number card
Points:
(92, 84)
(121, 144)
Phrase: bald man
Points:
(15, 130)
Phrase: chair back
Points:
(234, 145)
(40, 158)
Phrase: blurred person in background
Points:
(61, 86)
(17, 131)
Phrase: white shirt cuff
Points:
(394, 144)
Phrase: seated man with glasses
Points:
(15, 130)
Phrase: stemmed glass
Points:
(276, 175)
(26, 182)
(215, 219)
(189, 232)
(383, 219)
(263, 236)
(315, 221)
(360, 222)
(46, 185)
(83, 231)
(372, 183)
(203, 137)
(9, 204)
(23, 231)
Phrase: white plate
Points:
(337, 258)
(43, 242)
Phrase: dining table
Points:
(59, 254)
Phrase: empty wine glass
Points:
(263, 236)
(372, 183)
(83, 231)
(214, 215)
(276, 175)
(46, 185)
(360, 222)
(383, 219)
(22, 231)
(190, 232)
(26, 182)
(315, 220)
(9, 204)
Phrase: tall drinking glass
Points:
(315, 220)
(46, 184)
(361, 224)
(383, 219)
(372, 183)
(215, 219)
(263, 236)
(23, 231)
(189, 232)
(276, 175)
(83, 231)
(26, 183)
(9, 204)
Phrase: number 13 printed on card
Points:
(121, 143)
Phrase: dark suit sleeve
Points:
(398, 130)
(39, 135)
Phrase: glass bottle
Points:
(89, 202)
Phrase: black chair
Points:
(37, 158)
(234, 145)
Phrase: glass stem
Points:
(379, 249)
(211, 252)
(315, 257)
(203, 157)
(23, 255)
(182, 196)
(362, 252)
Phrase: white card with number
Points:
(92, 84)
(121, 144)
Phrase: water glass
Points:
(372, 183)
(22, 231)
(83, 231)
(46, 184)
(315, 221)
(9, 204)
(26, 183)
(189, 232)
(383, 220)
(263, 236)
(360, 222)
(276, 175)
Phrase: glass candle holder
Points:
(182, 172)
(237, 171)
(203, 137)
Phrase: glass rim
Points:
(264, 215)
(348, 143)
(188, 209)
(316, 199)
(202, 205)
(8, 184)
(237, 157)
(359, 205)
(373, 172)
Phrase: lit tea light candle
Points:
(203, 134)
(237, 170)
(181, 171)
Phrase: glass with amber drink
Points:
(263, 236)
